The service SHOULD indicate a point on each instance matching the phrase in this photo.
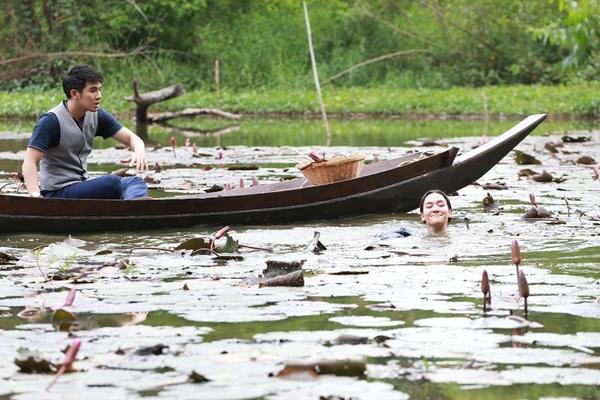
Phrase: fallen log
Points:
(145, 100)
(190, 112)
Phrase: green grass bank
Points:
(575, 100)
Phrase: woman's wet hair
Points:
(77, 76)
(432, 192)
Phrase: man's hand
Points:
(137, 160)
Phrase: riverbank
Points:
(579, 101)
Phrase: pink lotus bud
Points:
(255, 181)
(194, 148)
(222, 232)
(532, 199)
(596, 171)
(187, 142)
(523, 285)
(173, 142)
(516, 253)
(70, 298)
(241, 183)
(71, 353)
(220, 154)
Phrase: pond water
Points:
(407, 310)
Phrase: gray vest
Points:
(66, 163)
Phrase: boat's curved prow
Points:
(507, 141)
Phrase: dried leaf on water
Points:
(275, 268)
(334, 367)
(576, 139)
(230, 246)
(6, 258)
(527, 172)
(490, 205)
(522, 158)
(544, 177)
(585, 160)
(350, 339)
(186, 185)
(197, 378)
(156, 350)
(295, 278)
(315, 245)
(31, 362)
(494, 186)
(193, 244)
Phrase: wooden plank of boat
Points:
(389, 186)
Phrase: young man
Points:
(62, 141)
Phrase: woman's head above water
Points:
(436, 211)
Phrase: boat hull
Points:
(383, 187)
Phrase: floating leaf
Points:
(6, 258)
(242, 167)
(193, 244)
(494, 186)
(490, 205)
(186, 185)
(336, 367)
(231, 246)
(576, 139)
(103, 252)
(585, 160)
(275, 268)
(31, 362)
(350, 339)
(295, 278)
(157, 350)
(197, 378)
(527, 172)
(315, 245)
(544, 177)
(551, 147)
(523, 158)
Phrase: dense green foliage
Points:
(262, 43)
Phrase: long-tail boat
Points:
(394, 185)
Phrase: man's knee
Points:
(113, 188)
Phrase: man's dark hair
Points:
(77, 76)
(431, 192)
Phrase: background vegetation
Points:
(261, 44)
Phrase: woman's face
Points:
(436, 212)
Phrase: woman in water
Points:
(436, 212)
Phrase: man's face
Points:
(89, 98)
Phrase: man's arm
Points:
(31, 172)
(138, 158)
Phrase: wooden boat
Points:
(394, 185)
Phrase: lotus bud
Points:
(532, 199)
(523, 288)
(255, 181)
(173, 144)
(70, 297)
(516, 253)
(485, 283)
(523, 285)
(222, 232)
(241, 183)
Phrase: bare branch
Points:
(50, 56)
(374, 60)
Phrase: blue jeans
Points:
(104, 187)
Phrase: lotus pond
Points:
(393, 319)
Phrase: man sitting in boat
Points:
(62, 141)
(436, 212)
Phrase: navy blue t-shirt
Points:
(46, 133)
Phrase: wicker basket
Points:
(338, 168)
